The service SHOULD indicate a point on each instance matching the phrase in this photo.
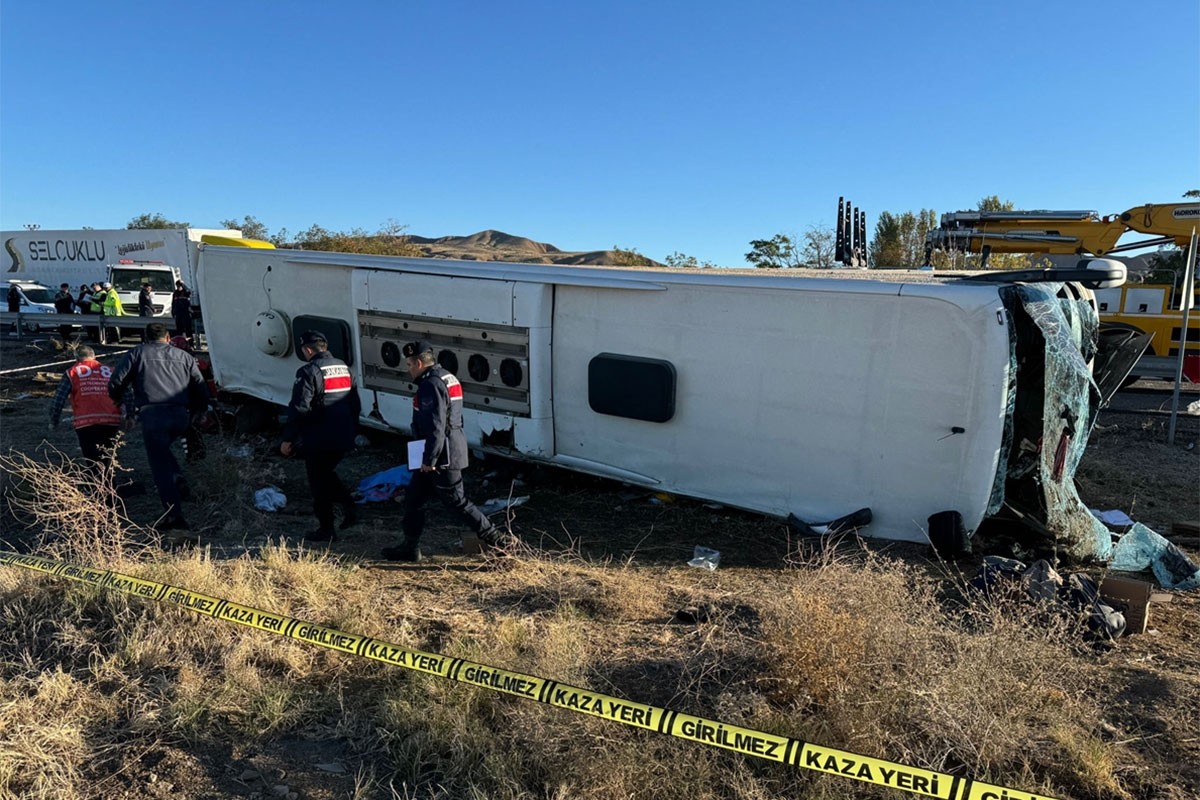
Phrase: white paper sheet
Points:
(416, 452)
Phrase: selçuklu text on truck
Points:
(127, 258)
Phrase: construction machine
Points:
(1061, 232)
(1137, 309)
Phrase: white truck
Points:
(127, 258)
(795, 397)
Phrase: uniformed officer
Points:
(168, 390)
(437, 418)
(320, 428)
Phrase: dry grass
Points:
(876, 659)
(847, 649)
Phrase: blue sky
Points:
(663, 126)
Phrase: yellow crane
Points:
(1061, 232)
(1138, 308)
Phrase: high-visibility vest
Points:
(89, 395)
(98, 299)
(112, 305)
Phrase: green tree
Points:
(153, 222)
(993, 203)
(778, 252)
(628, 258)
(887, 245)
(681, 261)
(388, 241)
(250, 227)
(899, 239)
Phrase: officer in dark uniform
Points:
(320, 428)
(167, 389)
(438, 419)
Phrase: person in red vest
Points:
(97, 418)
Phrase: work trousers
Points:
(96, 443)
(162, 425)
(183, 324)
(326, 487)
(447, 484)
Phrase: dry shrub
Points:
(140, 673)
(74, 513)
(876, 662)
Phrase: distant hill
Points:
(491, 245)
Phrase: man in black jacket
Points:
(322, 420)
(167, 389)
(64, 303)
(437, 418)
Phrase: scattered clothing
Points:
(269, 498)
(383, 486)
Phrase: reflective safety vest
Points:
(98, 299)
(89, 395)
(112, 305)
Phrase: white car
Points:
(35, 299)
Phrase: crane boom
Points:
(1058, 232)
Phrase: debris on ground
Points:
(385, 485)
(269, 498)
(705, 558)
(1141, 549)
(694, 615)
(1042, 583)
(1114, 520)
(239, 451)
(497, 504)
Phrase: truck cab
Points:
(128, 276)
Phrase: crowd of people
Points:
(159, 386)
(101, 299)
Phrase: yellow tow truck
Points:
(1139, 308)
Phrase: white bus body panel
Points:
(808, 402)
(813, 397)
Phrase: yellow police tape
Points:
(583, 701)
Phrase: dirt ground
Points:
(1151, 680)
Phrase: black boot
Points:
(406, 551)
(349, 516)
(322, 534)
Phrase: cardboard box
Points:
(1133, 598)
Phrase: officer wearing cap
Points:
(321, 423)
(437, 418)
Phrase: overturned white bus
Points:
(786, 396)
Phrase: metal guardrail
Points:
(1155, 367)
(51, 322)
